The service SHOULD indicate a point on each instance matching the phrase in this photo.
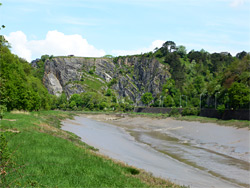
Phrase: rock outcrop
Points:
(129, 76)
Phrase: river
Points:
(188, 153)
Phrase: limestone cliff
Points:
(129, 76)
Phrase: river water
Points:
(188, 153)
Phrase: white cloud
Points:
(55, 43)
(236, 3)
(18, 41)
(154, 44)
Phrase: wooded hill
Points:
(192, 77)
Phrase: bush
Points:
(114, 106)
(109, 92)
(174, 112)
(128, 107)
(146, 98)
(221, 108)
(91, 106)
(190, 111)
(103, 105)
(3, 109)
(72, 104)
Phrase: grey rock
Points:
(135, 75)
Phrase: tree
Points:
(62, 101)
(169, 46)
(239, 95)
(147, 98)
(72, 104)
(108, 56)
(19, 88)
(241, 55)
(177, 69)
(44, 57)
(182, 51)
(168, 101)
(77, 98)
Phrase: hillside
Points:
(129, 77)
(170, 73)
(168, 77)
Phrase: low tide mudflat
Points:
(189, 153)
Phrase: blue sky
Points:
(120, 27)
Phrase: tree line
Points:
(198, 79)
(201, 79)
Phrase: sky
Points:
(94, 28)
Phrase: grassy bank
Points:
(39, 154)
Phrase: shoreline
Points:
(229, 123)
(134, 126)
(124, 121)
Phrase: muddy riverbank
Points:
(189, 153)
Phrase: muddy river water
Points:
(188, 153)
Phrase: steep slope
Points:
(129, 76)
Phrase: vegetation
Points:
(201, 79)
(147, 98)
(198, 79)
(36, 153)
(19, 88)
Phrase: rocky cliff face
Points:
(128, 76)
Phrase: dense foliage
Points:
(199, 78)
(19, 88)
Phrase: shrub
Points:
(133, 171)
(128, 107)
(103, 105)
(114, 106)
(146, 98)
(221, 108)
(109, 92)
(72, 104)
(3, 109)
(91, 106)
(174, 112)
(190, 111)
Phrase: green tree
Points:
(77, 98)
(19, 88)
(182, 51)
(147, 98)
(72, 104)
(108, 56)
(169, 46)
(239, 95)
(62, 101)
(168, 101)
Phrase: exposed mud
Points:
(190, 153)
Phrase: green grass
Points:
(93, 84)
(45, 156)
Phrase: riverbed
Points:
(188, 153)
